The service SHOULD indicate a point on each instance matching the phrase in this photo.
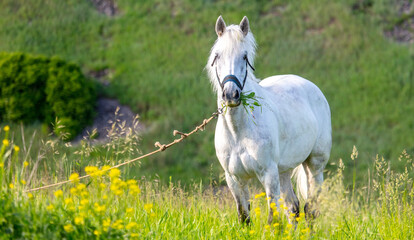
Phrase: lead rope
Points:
(161, 147)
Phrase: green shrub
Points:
(38, 88)
(22, 87)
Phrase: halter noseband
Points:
(232, 78)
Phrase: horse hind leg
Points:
(314, 166)
(241, 196)
(290, 198)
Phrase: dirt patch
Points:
(108, 112)
(107, 7)
(402, 29)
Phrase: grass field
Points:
(156, 52)
(110, 206)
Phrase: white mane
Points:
(230, 43)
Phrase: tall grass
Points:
(108, 205)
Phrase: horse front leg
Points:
(240, 193)
(271, 183)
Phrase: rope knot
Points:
(161, 146)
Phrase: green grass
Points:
(110, 206)
(157, 50)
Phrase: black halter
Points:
(232, 78)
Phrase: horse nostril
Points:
(236, 95)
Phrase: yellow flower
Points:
(81, 187)
(6, 142)
(131, 182)
(30, 195)
(99, 208)
(268, 198)
(276, 224)
(25, 163)
(104, 197)
(251, 231)
(73, 191)
(84, 201)
(96, 232)
(1, 165)
(58, 193)
(79, 220)
(74, 177)
(68, 228)
(84, 194)
(114, 173)
(289, 226)
(273, 205)
(148, 207)
(92, 171)
(23, 182)
(134, 189)
(118, 224)
(11, 185)
(16, 148)
(129, 210)
(68, 201)
(50, 207)
(262, 194)
(257, 211)
(134, 234)
(131, 225)
(105, 168)
(6, 128)
(267, 227)
(106, 222)
(102, 186)
(306, 230)
(301, 215)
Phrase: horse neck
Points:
(237, 120)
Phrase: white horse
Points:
(291, 130)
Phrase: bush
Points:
(38, 88)
(22, 87)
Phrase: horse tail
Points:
(301, 179)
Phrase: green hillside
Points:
(156, 51)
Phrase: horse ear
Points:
(220, 26)
(244, 25)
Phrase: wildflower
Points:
(81, 187)
(99, 208)
(148, 207)
(257, 211)
(74, 177)
(73, 191)
(134, 234)
(268, 198)
(114, 173)
(68, 201)
(105, 168)
(84, 194)
(6, 128)
(131, 225)
(131, 182)
(301, 215)
(25, 163)
(11, 185)
(1, 165)
(30, 195)
(306, 230)
(289, 226)
(104, 197)
(267, 227)
(262, 194)
(6, 142)
(118, 224)
(276, 225)
(16, 148)
(153, 215)
(134, 189)
(23, 182)
(92, 171)
(129, 210)
(251, 232)
(79, 220)
(106, 223)
(68, 228)
(58, 193)
(50, 207)
(84, 202)
(102, 186)
(273, 205)
(96, 233)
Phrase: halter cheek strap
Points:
(232, 78)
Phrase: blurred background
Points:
(148, 58)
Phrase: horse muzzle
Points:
(231, 98)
